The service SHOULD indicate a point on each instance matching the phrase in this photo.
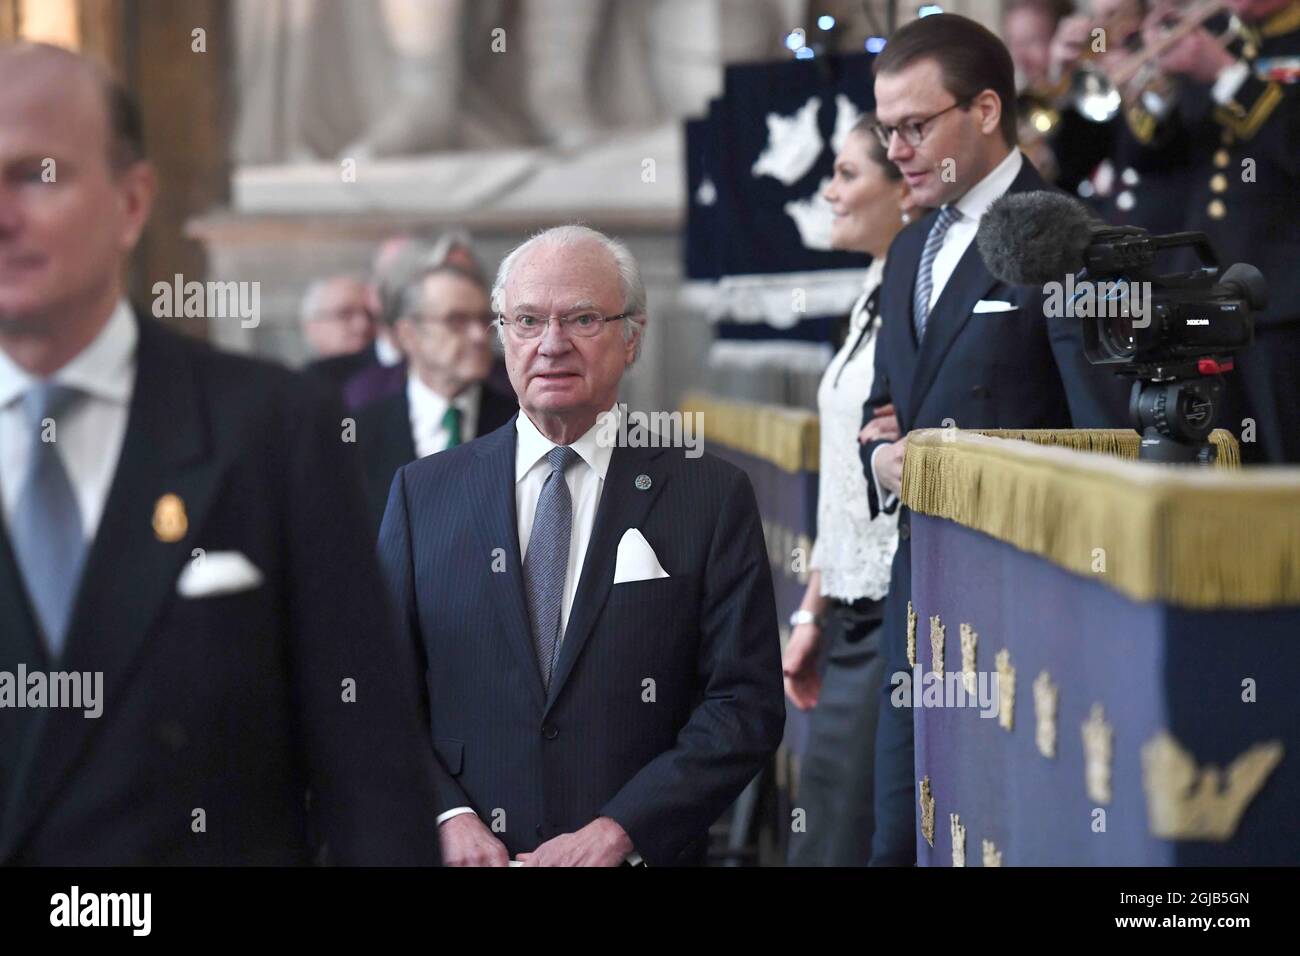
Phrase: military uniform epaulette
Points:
(1257, 97)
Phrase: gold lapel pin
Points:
(169, 520)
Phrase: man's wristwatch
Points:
(802, 616)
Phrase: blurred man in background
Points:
(443, 325)
(336, 317)
(186, 524)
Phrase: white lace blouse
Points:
(852, 551)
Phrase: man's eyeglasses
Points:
(585, 324)
(914, 132)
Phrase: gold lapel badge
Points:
(169, 519)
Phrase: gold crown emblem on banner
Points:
(927, 811)
(1187, 802)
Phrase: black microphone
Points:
(1032, 238)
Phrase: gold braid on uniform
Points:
(1245, 122)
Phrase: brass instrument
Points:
(1041, 105)
(1098, 91)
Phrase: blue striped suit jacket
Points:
(666, 698)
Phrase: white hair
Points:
(311, 298)
(629, 273)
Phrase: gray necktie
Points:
(46, 530)
(547, 559)
(924, 272)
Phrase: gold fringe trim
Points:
(1198, 538)
(786, 437)
(1120, 442)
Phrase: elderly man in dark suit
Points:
(444, 328)
(957, 348)
(186, 524)
(595, 616)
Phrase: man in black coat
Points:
(443, 325)
(184, 553)
(957, 347)
(595, 614)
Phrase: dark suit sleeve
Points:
(397, 563)
(370, 769)
(879, 397)
(1098, 398)
(738, 723)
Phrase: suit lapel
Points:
(20, 642)
(491, 490)
(622, 506)
(952, 310)
(969, 281)
(399, 440)
(896, 337)
(494, 410)
(130, 573)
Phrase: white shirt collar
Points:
(979, 197)
(386, 352)
(428, 405)
(533, 445)
(104, 369)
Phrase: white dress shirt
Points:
(956, 240)
(972, 207)
(89, 436)
(427, 410)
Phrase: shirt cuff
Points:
(886, 499)
(1228, 82)
(453, 812)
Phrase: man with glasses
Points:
(957, 347)
(443, 326)
(336, 317)
(596, 619)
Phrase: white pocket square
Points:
(636, 560)
(218, 572)
(993, 305)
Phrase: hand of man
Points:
(889, 465)
(466, 841)
(803, 683)
(602, 842)
(1072, 35)
(884, 426)
(1198, 55)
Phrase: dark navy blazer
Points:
(1011, 369)
(232, 704)
(666, 698)
(385, 441)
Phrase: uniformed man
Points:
(1237, 122)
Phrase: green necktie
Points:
(451, 422)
